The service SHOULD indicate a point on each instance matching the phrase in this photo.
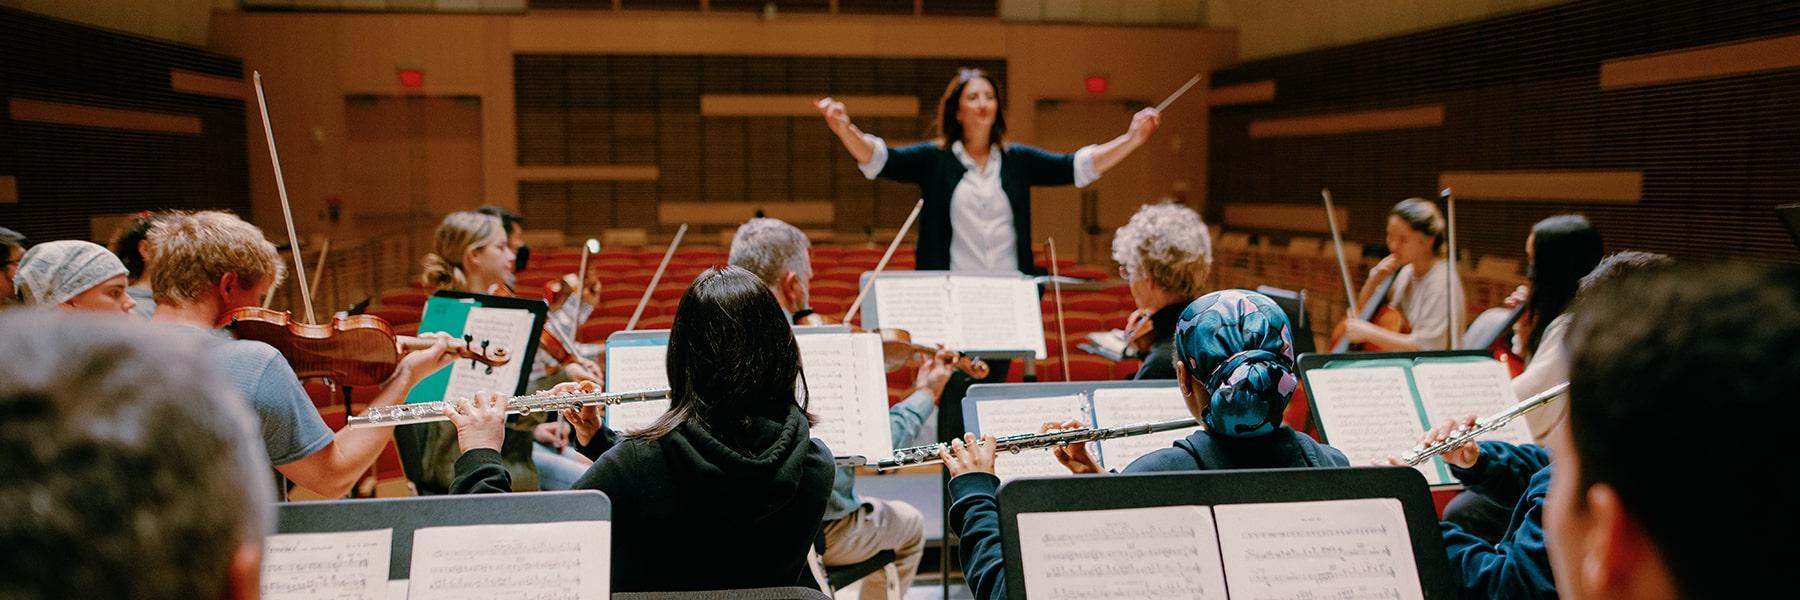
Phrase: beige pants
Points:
(879, 525)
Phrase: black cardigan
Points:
(692, 513)
(937, 171)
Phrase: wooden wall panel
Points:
(1709, 155)
(96, 124)
(1711, 62)
(714, 128)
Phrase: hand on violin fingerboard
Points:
(419, 364)
(935, 373)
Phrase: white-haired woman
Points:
(1164, 252)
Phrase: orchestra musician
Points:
(12, 249)
(855, 527)
(1234, 363)
(209, 263)
(1511, 562)
(1688, 361)
(74, 275)
(1415, 241)
(130, 245)
(473, 253)
(726, 489)
(1164, 253)
(133, 471)
(976, 185)
(1560, 251)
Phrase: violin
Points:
(358, 350)
(897, 347)
(1377, 312)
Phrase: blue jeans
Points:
(555, 471)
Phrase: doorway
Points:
(409, 161)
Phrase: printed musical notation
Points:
(1452, 390)
(350, 565)
(631, 368)
(1002, 418)
(918, 305)
(847, 392)
(963, 312)
(1129, 406)
(1160, 552)
(1369, 413)
(1327, 549)
(507, 327)
(568, 560)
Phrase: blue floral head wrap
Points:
(1237, 344)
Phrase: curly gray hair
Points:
(1168, 243)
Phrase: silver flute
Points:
(927, 455)
(1424, 452)
(426, 412)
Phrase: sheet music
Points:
(994, 313)
(1368, 413)
(1129, 406)
(568, 559)
(1452, 390)
(1027, 415)
(1340, 549)
(1160, 552)
(341, 565)
(841, 369)
(920, 305)
(509, 327)
(631, 368)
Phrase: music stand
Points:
(1211, 488)
(407, 514)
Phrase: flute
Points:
(426, 412)
(926, 455)
(1422, 453)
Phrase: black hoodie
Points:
(691, 513)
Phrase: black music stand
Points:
(1210, 488)
(407, 514)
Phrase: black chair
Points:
(841, 576)
(776, 593)
(1294, 304)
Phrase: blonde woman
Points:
(471, 253)
(1164, 253)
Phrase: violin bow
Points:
(654, 279)
(286, 211)
(1337, 243)
(591, 246)
(1062, 349)
(1450, 269)
(864, 292)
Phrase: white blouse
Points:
(981, 218)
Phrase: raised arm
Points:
(839, 121)
(1111, 153)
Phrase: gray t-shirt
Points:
(291, 426)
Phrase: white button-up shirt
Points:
(981, 218)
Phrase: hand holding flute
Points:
(1463, 456)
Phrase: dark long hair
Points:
(732, 358)
(1564, 248)
(949, 128)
